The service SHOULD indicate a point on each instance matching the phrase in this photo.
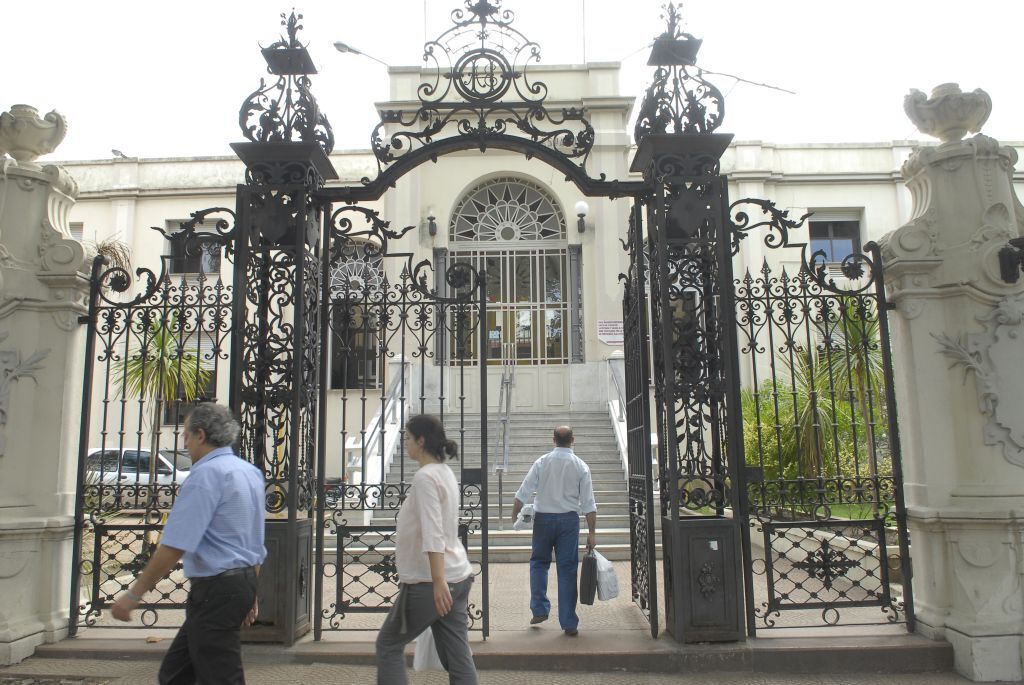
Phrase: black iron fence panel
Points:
(643, 537)
(156, 344)
(694, 473)
(823, 484)
(392, 348)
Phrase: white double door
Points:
(527, 326)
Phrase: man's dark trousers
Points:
(561, 532)
(207, 648)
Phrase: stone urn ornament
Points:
(949, 114)
(24, 136)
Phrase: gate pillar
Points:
(276, 339)
(43, 288)
(958, 343)
(689, 254)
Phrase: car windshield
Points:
(179, 459)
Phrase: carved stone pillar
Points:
(958, 350)
(43, 287)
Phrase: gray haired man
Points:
(216, 528)
(560, 487)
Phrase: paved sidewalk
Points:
(95, 672)
(613, 636)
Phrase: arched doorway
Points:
(514, 231)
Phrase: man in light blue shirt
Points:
(216, 528)
(560, 486)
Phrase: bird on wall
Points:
(118, 154)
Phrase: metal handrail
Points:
(393, 402)
(503, 437)
(619, 416)
(620, 392)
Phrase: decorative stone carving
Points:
(950, 113)
(995, 358)
(986, 574)
(13, 368)
(24, 136)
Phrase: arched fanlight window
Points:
(507, 209)
(359, 270)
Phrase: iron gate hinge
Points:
(84, 318)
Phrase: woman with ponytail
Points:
(434, 572)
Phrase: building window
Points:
(354, 350)
(357, 281)
(196, 352)
(196, 255)
(77, 229)
(836, 239)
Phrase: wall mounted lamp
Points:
(582, 208)
(431, 224)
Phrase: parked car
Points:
(131, 466)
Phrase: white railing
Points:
(617, 406)
(617, 412)
(503, 434)
(379, 441)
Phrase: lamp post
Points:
(341, 46)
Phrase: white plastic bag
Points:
(525, 519)
(607, 581)
(425, 657)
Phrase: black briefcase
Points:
(588, 578)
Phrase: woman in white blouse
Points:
(434, 572)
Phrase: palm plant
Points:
(825, 401)
(160, 371)
(814, 412)
(859, 339)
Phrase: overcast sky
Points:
(156, 79)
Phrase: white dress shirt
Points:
(562, 484)
(429, 522)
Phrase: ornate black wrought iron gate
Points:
(778, 456)
(333, 337)
(777, 442)
(823, 480)
(643, 536)
(391, 350)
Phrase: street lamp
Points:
(345, 47)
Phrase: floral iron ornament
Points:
(286, 110)
(480, 90)
(679, 100)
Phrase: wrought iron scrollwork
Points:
(679, 99)
(114, 282)
(285, 110)
(859, 270)
(479, 64)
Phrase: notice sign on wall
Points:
(609, 331)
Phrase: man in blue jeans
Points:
(561, 488)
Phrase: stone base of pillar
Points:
(35, 568)
(988, 658)
(968, 587)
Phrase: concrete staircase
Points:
(531, 437)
